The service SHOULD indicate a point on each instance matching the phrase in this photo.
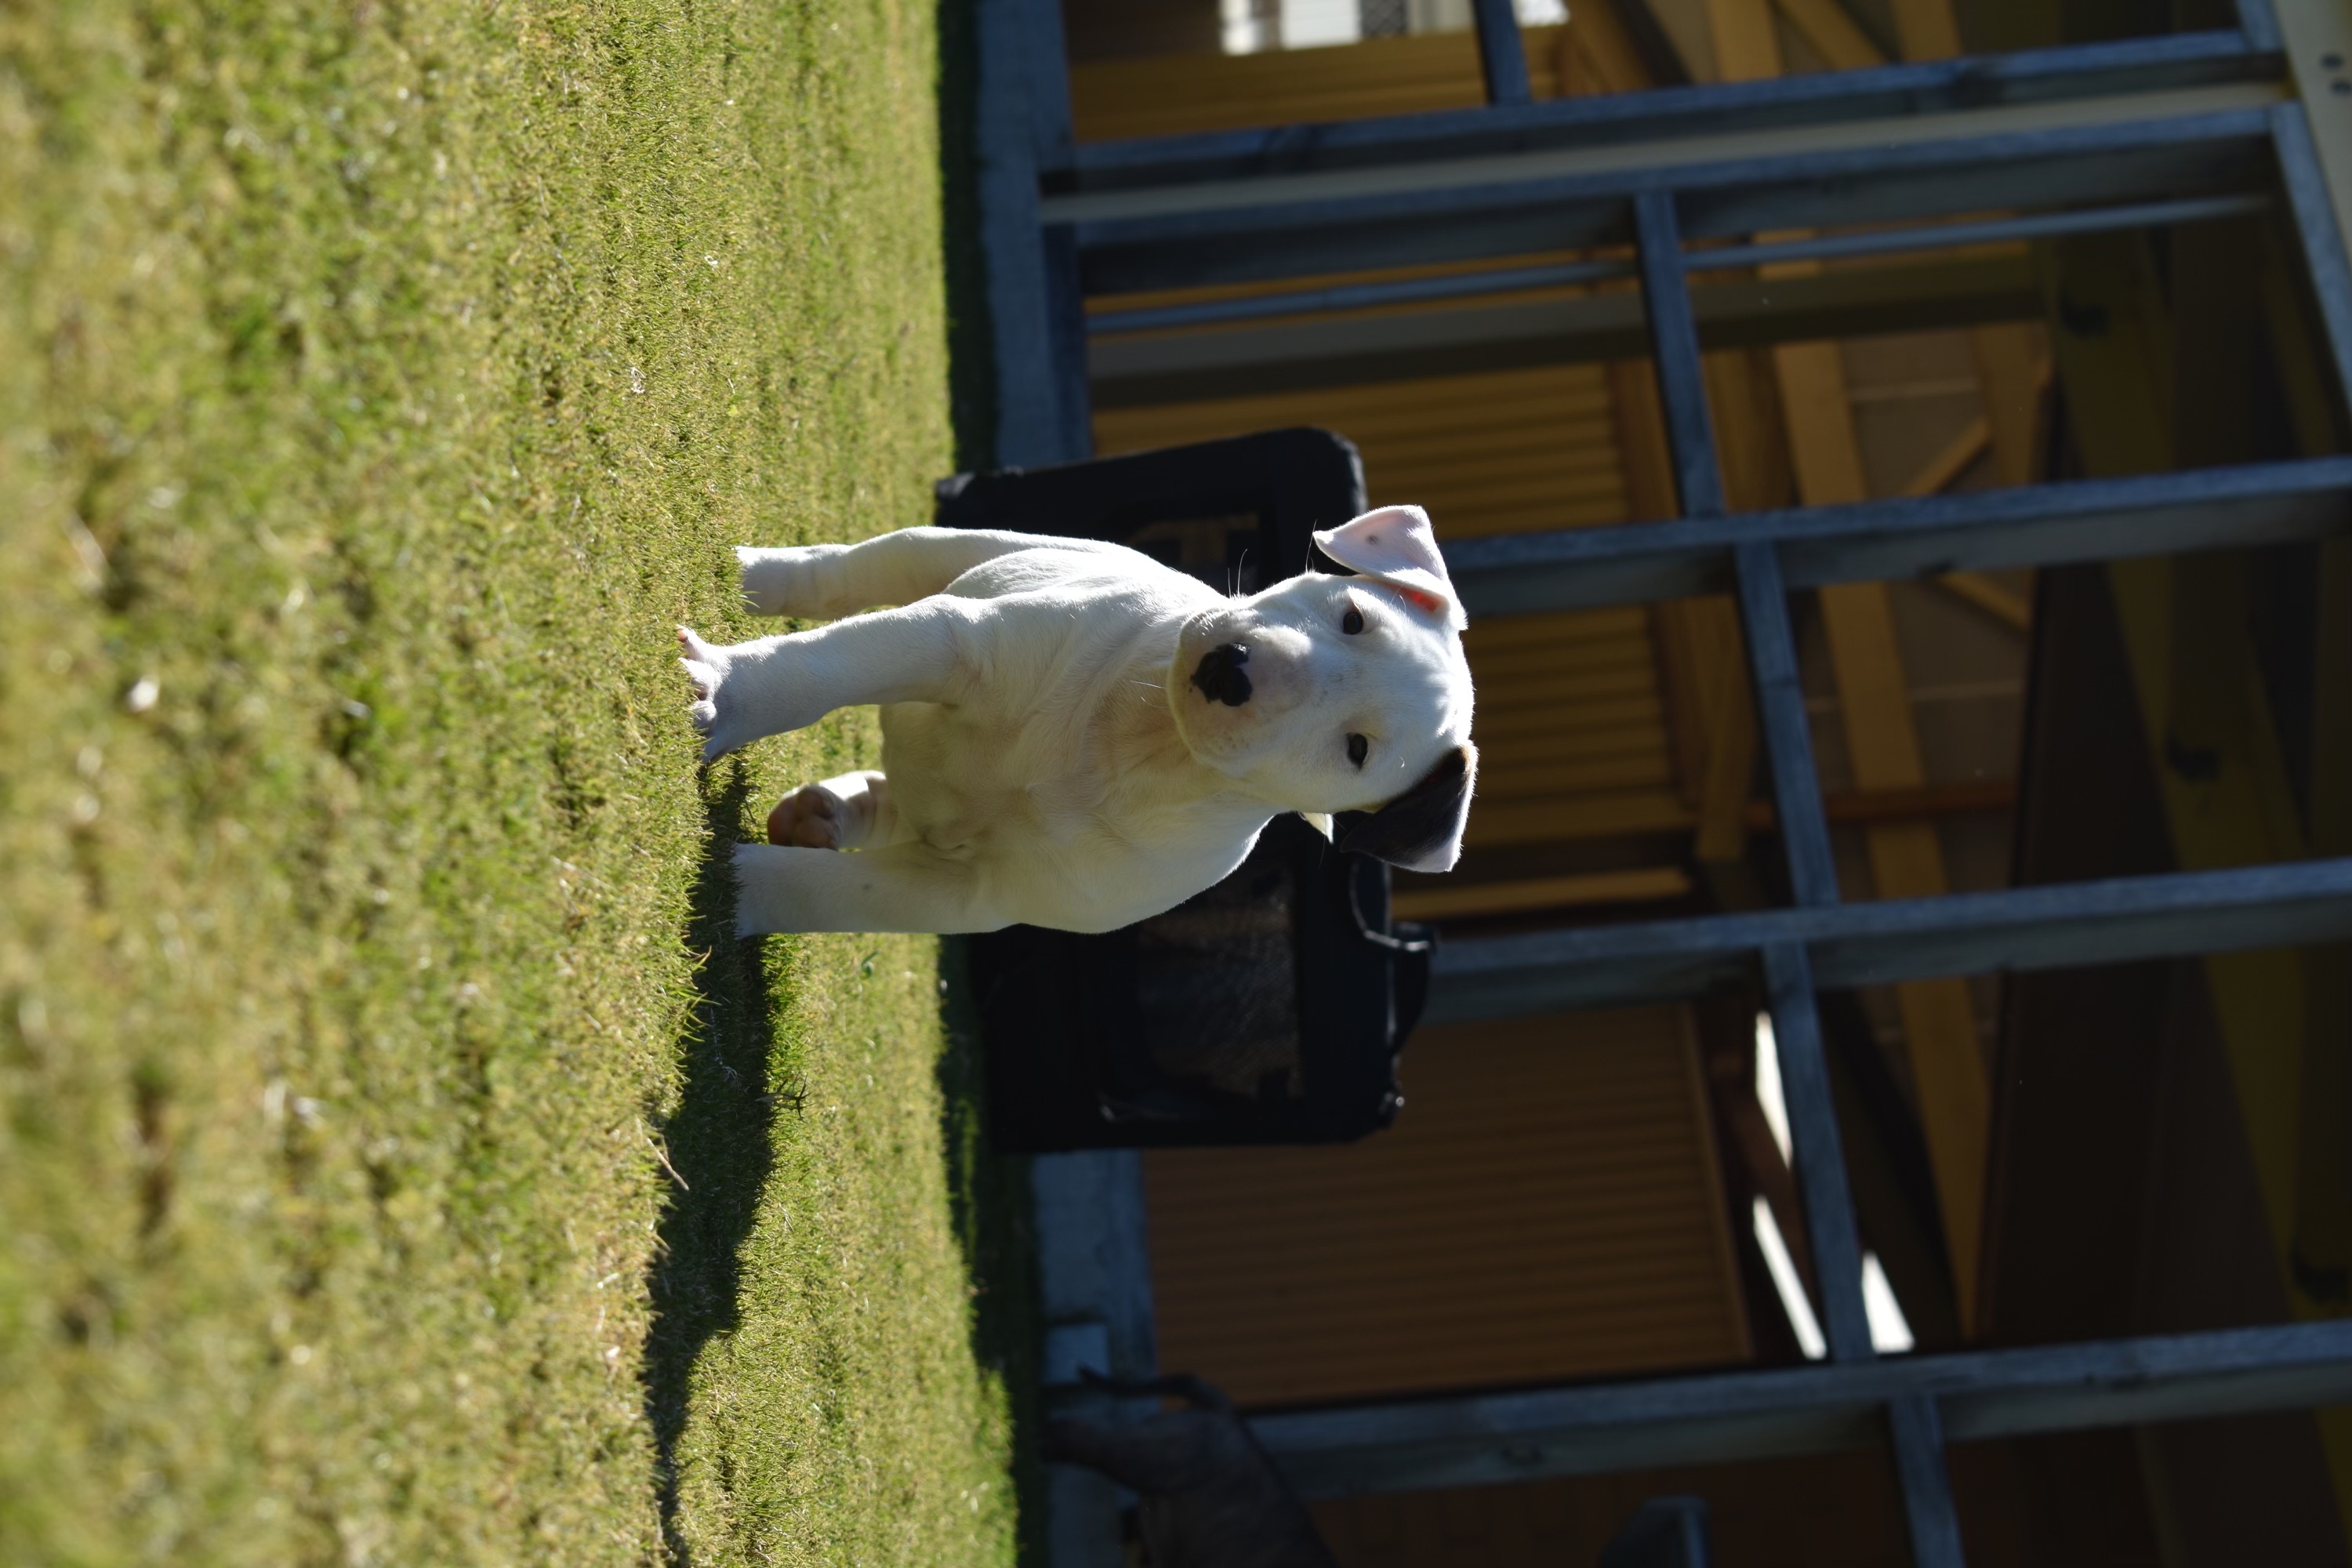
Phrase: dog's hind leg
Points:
(846, 813)
(901, 886)
(826, 582)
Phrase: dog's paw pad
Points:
(809, 819)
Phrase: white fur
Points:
(1047, 758)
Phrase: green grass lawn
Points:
(399, 1163)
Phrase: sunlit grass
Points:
(382, 382)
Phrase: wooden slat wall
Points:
(1171, 95)
(1571, 725)
(1496, 452)
(1546, 1207)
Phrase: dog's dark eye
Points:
(1358, 747)
(1352, 621)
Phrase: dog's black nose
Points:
(1220, 678)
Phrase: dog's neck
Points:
(1156, 770)
(1138, 727)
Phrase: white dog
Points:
(1076, 736)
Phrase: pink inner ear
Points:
(1420, 599)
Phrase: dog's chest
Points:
(985, 780)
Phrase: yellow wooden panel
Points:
(1589, 738)
(1521, 736)
(1524, 723)
(1583, 728)
(1195, 293)
(1496, 452)
(1644, 884)
(1542, 491)
(1173, 95)
(1456, 404)
(1503, 757)
(1618, 760)
(1544, 1207)
(1504, 823)
(1595, 513)
(1485, 638)
(1475, 449)
(1618, 746)
(1542, 479)
(1568, 782)
(1595, 672)
(1622, 648)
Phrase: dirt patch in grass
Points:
(386, 381)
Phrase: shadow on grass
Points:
(720, 1143)
(989, 1197)
(720, 1140)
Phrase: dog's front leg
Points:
(917, 653)
(904, 888)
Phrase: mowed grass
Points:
(399, 1163)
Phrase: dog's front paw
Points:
(714, 709)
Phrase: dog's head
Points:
(1331, 694)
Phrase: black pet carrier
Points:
(1270, 1008)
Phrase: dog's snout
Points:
(1219, 675)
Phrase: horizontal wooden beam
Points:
(1725, 1417)
(2211, 143)
(1652, 884)
(2089, 520)
(2069, 925)
(1614, 814)
(1737, 109)
(1343, 351)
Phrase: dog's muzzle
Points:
(1220, 676)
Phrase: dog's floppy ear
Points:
(1396, 545)
(1420, 830)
